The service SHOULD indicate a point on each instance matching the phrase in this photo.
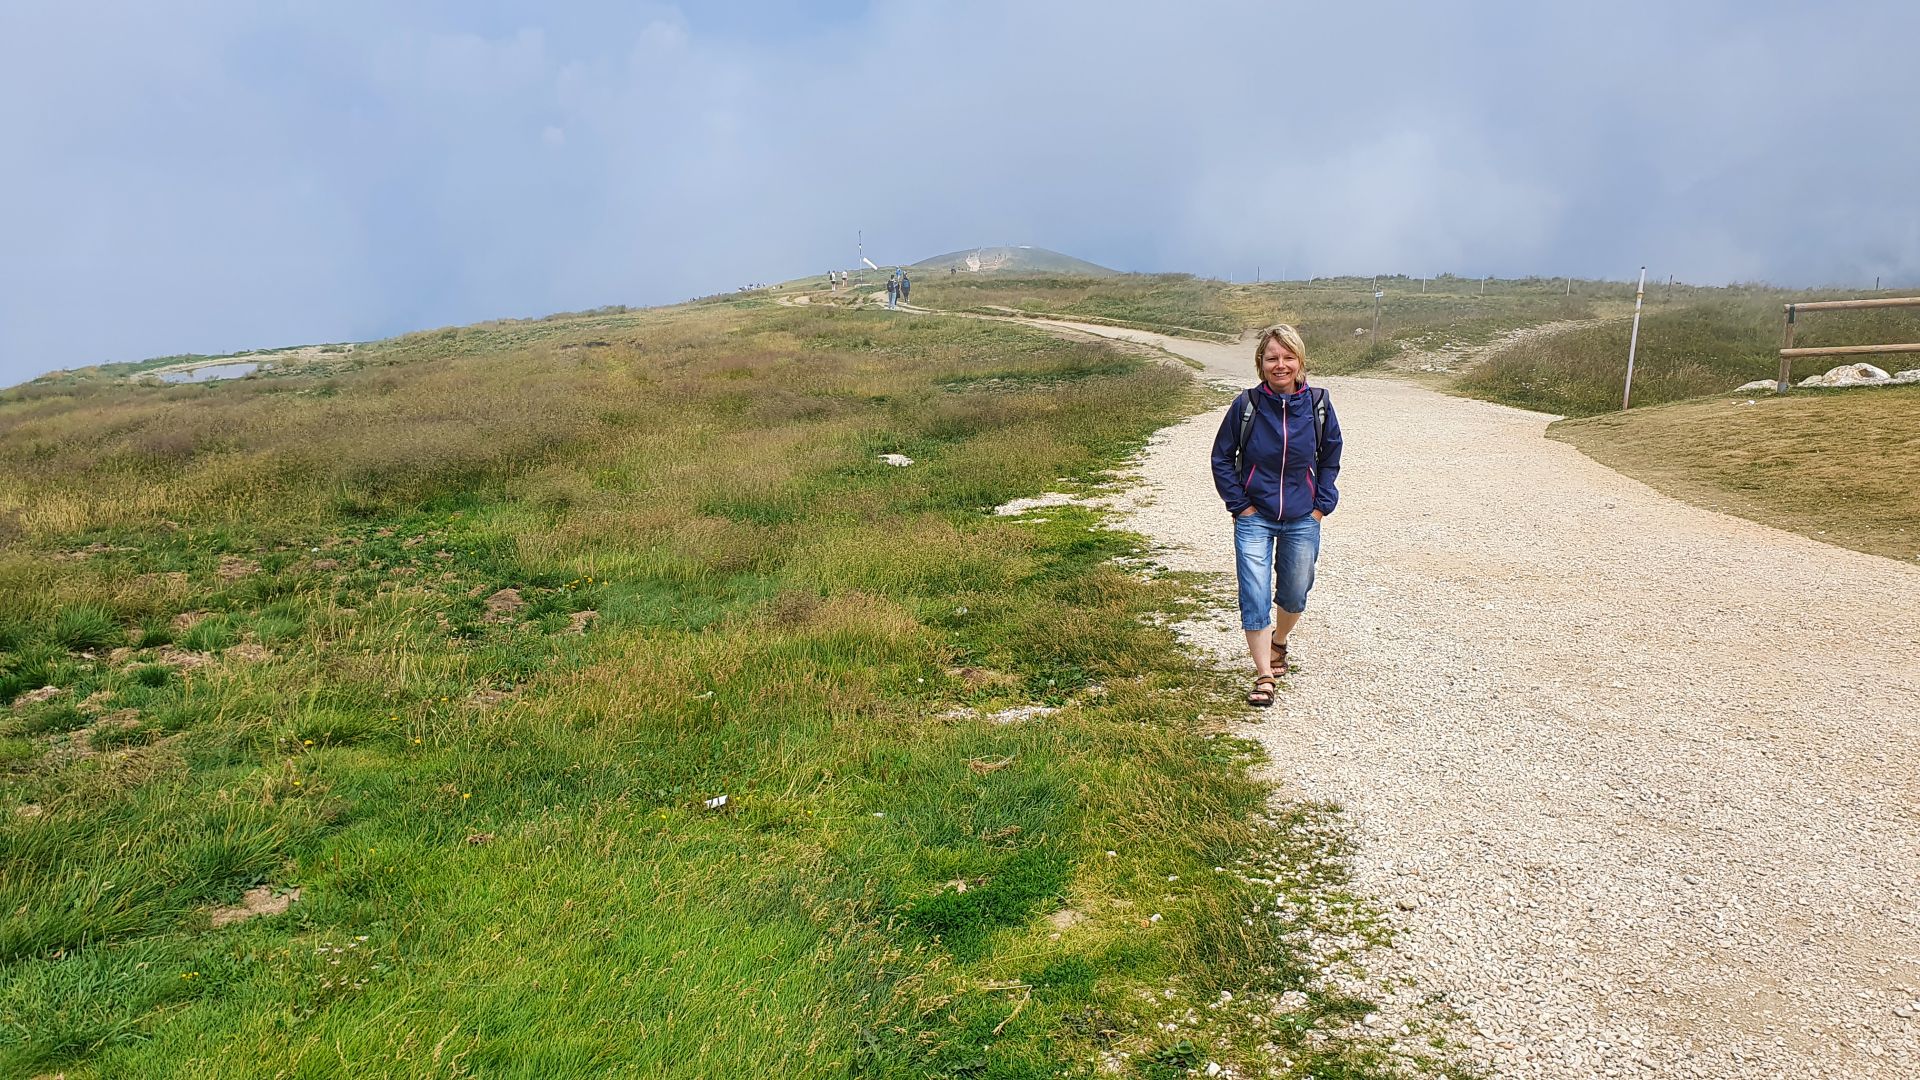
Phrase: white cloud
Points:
(232, 175)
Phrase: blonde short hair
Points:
(1288, 336)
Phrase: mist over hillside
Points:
(1020, 258)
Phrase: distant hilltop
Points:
(1017, 259)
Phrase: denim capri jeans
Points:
(1274, 561)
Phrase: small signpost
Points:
(1633, 343)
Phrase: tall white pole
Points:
(1633, 343)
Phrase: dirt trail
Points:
(1454, 357)
(1636, 780)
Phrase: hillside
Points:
(1017, 260)
(589, 695)
(1327, 310)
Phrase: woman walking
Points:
(1274, 463)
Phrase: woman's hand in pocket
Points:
(1248, 512)
(1318, 516)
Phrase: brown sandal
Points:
(1261, 696)
(1280, 658)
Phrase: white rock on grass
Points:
(1907, 376)
(1020, 713)
(1755, 387)
(1849, 375)
(897, 460)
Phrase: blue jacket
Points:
(1280, 474)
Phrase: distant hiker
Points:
(893, 291)
(1275, 461)
(906, 287)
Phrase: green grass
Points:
(1821, 463)
(1707, 343)
(278, 618)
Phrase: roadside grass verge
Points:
(462, 642)
(1830, 464)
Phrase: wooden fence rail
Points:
(1789, 352)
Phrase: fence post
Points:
(1633, 343)
(1786, 362)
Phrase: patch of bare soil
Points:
(504, 605)
(233, 568)
(182, 658)
(258, 901)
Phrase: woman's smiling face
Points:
(1279, 367)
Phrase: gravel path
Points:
(1635, 780)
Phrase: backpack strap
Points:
(1246, 427)
(1319, 427)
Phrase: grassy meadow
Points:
(1327, 310)
(1702, 343)
(464, 638)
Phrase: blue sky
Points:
(231, 175)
